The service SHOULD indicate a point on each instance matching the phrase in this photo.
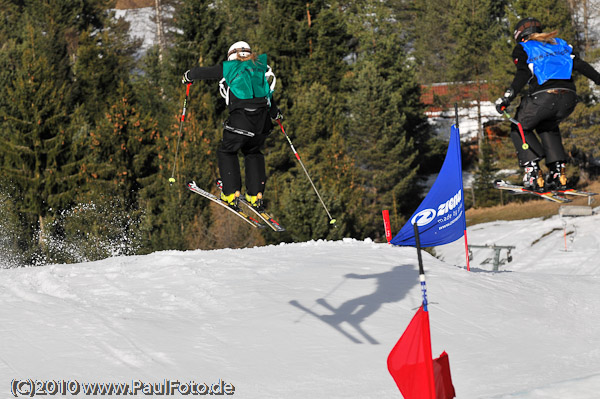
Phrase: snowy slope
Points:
(529, 331)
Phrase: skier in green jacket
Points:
(244, 84)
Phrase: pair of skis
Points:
(553, 195)
(255, 218)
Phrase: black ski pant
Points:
(543, 112)
(254, 162)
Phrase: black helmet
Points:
(526, 27)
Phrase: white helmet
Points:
(238, 50)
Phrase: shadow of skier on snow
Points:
(392, 286)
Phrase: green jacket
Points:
(247, 79)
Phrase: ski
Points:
(549, 195)
(267, 218)
(236, 210)
(572, 191)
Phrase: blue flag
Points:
(441, 215)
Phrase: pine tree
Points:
(43, 102)
(36, 100)
(118, 152)
(474, 29)
(485, 194)
(102, 58)
(312, 129)
(176, 208)
(170, 210)
(387, 128)
(285, 33)
(433, 41)
(119, 168)
(307, 43)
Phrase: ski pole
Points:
(187, 94)
(331, 220)
(334, 289)
(516, 122)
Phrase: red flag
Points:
(443, 380)
(410, 362)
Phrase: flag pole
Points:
(462, 190)
(386, 225)
(421, 270)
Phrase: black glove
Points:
(275, 113)
(185, 79)
(503, 102)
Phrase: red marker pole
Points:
(386, 225)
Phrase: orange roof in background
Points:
(130, 4)
(441, 96)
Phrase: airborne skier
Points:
(249, 97)
(545, 62)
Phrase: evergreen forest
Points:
(90, 130)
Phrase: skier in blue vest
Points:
(244, 84)
(547, 63)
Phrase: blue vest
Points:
(549, 61)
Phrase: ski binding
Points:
(236, 210)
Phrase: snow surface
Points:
(531, 330)
(467, 118)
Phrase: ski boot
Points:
(557, 177)
(255, 201)
(232, 199)
(533, 178)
